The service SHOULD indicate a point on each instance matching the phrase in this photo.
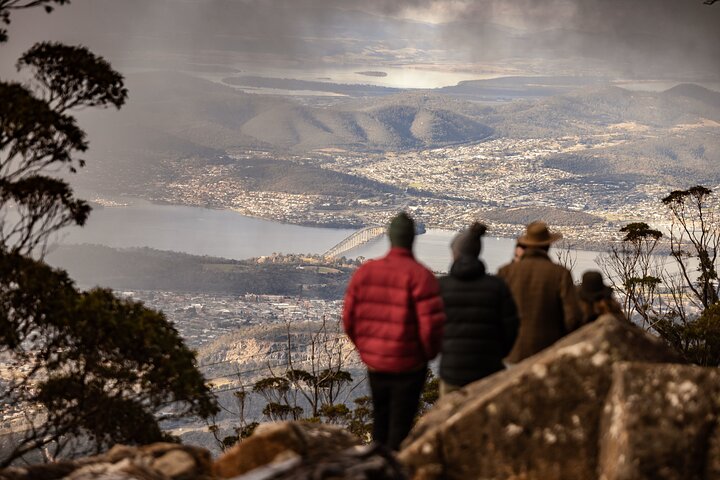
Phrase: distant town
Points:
(446, 188)
(203, 318)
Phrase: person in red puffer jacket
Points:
(394, 315)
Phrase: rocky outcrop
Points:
(275, 443)
(276, 451)
(660, 422)
(712, 466)
(160, 461)
(538, 420)
(366, 462)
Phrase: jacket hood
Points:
(467, 268)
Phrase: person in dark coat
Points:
(394, 315)
(482, 321)
(544, 293)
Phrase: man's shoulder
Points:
(410, 268)
(366, 267)
(549, 267)
(420, 266)
(530, 264)
(493, 279)
(421, 270)
(397, 264)
(503, 271)
(560, 269)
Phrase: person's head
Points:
(596, 297)
(468, 242)
(401, 231)
(593, 288)
(538, 235)
(519, 251)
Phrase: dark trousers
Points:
(395, 399)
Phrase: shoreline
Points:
(504, 231)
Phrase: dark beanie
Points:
(468, 241)
(401, 231)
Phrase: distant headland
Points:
(372, 73)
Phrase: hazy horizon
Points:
(666, 39)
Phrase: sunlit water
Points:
(200, 231)
(396, 77)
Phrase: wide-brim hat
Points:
(593, 287)
(537, 234)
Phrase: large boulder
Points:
(659, 423)
(712, 468)
(159, 461)
(282, 442)
(537, 420)
(366, 462)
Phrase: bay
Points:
(199, 231)
(228, 234)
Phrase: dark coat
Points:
(481, 323)
(393, 313)
(546, 299)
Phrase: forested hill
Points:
(585, 111)
(211, 115)
(149, 269)
(177, 115)
(174, 120)
(199, 114)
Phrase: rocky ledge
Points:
(608, 402)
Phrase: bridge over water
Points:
(356, 239)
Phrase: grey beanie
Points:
(468, 241)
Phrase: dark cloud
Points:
(633, 37)
(642, 36)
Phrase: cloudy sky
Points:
(635, 38)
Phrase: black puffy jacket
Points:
(481, 325)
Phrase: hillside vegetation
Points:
(208, 115)
(149, 269)
(554, 216)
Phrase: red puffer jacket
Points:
(393, 313)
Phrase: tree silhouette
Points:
(89, 369)
(7, 6)
(38, 134)
(635, 271)
(680, 306)
(695, 234)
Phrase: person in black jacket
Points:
(482, 319)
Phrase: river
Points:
(224, 233)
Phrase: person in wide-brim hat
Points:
(596, 298)
(593, 287)
(544, 293)
(537, 234)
